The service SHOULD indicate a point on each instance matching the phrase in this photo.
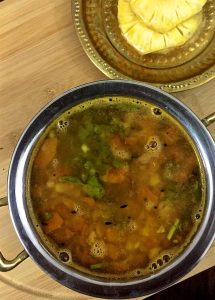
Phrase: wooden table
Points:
(40, 57)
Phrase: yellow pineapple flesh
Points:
(164, 15)
(127, 19)
(147, 40)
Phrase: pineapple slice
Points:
(164, 15)
(145, 40)
(127, 19)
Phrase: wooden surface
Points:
(40, 57)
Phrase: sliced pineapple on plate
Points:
(127, 19)
(164, 15)
(145, 40)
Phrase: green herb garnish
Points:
(72, 179)
(98, 266)
(117, 163)
(94, 188)
(173, 229)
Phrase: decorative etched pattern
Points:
(97, 28)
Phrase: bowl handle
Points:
(209, 119)
(7, 265)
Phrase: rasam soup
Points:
(116, 187)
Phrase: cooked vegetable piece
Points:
(118, 149)
(46, 216)
(85, 148)
(47, 152)
(115, 175)
(54, 223)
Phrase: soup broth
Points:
(116, 187)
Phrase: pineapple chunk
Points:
(183, 32)
(127, 19)
(146, 40)
(164, 15)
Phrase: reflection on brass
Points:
(3, 201)
(209, 119)
(7, 265)
(181, 68)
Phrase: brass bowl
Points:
(179, 69)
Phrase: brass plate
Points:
(180, 69)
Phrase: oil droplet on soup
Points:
(116, 183)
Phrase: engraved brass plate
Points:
(178, 69)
